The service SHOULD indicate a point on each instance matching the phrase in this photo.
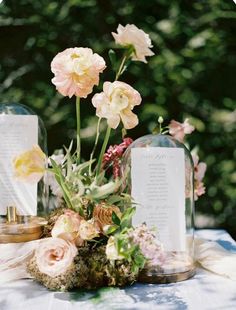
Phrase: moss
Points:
(91, 269)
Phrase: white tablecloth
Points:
(205, 291)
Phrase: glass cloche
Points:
(159, 176)
(23, 204)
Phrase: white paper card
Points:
(158, 187)
(18, 133)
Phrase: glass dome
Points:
(21, 203)
(159, 176)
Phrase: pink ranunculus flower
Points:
(130, 35)
(179, 130)
(199, 168)
(30, 166)
(76, 71)
(54, 256)
(67, 227)
(116, 103)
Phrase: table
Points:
(205, 291)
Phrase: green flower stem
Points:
(126, 57)
(95, 145)
(119, 72)
(78, 150)
(103, 150)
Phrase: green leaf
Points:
(115, 218)
(111, 230)
(114, 199)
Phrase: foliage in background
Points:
(192, 74)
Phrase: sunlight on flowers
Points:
(76, 71)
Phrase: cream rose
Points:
(116, 103)
(54, 256)
(111, 250)
(130, 35)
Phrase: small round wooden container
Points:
(16, 228)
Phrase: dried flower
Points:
(30, 165)
(76, 71)
(130, 35)
(179, 130)
(54, 256)
(102, 215)
(87, 230)
(116, 103)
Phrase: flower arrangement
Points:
(89, 240)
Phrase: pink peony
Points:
(76, 71)
(67, 227)
(179, 130)
(116, 103)
(54, 256)
(130, 35)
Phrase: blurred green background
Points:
(192, 75)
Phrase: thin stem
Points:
(104, 146)
(78, 128)
(95, 145)
(119, 72)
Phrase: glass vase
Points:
(159, 174)
(23, 205)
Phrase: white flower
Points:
(111, 250)
(116, 103)
(130, 35)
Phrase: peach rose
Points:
(67, 227)
(130, 35)
(116, 103)
(54, 256)
(30, 166)
(87, 230)
(179, 130)
(76, 71)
